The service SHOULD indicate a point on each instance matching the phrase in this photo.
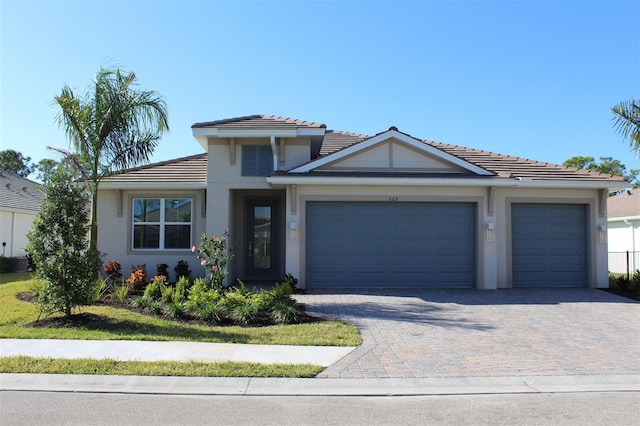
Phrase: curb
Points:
(315, 387)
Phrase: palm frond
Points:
(626, 121)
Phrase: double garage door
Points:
(370, 244)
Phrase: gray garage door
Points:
(549, 245)
(362, 244)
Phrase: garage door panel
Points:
(549, 245)
(392, 244)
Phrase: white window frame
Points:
(161, 224)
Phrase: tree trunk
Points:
(93, 234)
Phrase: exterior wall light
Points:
(293, 231)
(602, 233)
(490, 230)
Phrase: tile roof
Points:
(259, 122)
(194, 168)
(509, 166)
(186, 169)
(335, 140)
(18, 193)
(626, 204)
(502, 165)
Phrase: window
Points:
(257, 160)
(162, 223)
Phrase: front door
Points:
(262, 236)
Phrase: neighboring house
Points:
(623, 217)
(339, 209)
(20, 201)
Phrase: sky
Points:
(533, 79)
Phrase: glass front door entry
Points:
(262, 239)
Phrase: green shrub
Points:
(248, 311)
(182, 289)
(173, 310)
(59, 246)
(283, 313)
(623, 283)
(155, 287)
(101, 288)
(153, 306)
(211, 312)
(120, 291)
(141, 302)
(203, 302)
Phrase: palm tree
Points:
(626, 117)
(113, 127)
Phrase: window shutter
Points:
(257, 160)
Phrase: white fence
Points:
(624, 262)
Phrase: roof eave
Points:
(479, 181)
(161, 185)
(623, 218)
(202, 133)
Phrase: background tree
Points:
(606, 165)
(44, 168)
(14, 162)
(47, 166)
(59, 248)
(112, 127)
(626, 120)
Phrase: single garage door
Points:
(549, 245)
(368, 244)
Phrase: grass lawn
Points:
(23, 364)
(18, 321)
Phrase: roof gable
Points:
(392, 151)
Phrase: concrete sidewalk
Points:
(135, 350)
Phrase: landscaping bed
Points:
(111, 320)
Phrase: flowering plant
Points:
(113, 270)
(214, 254)
(137, 278)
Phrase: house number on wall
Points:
(393, 199)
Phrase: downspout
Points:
(633, 234)
(274, 149)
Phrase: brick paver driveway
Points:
(458, 333)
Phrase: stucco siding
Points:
(14, 227)
(115, 231)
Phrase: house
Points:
(20, 201)
(340, 209)
(623, 220)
